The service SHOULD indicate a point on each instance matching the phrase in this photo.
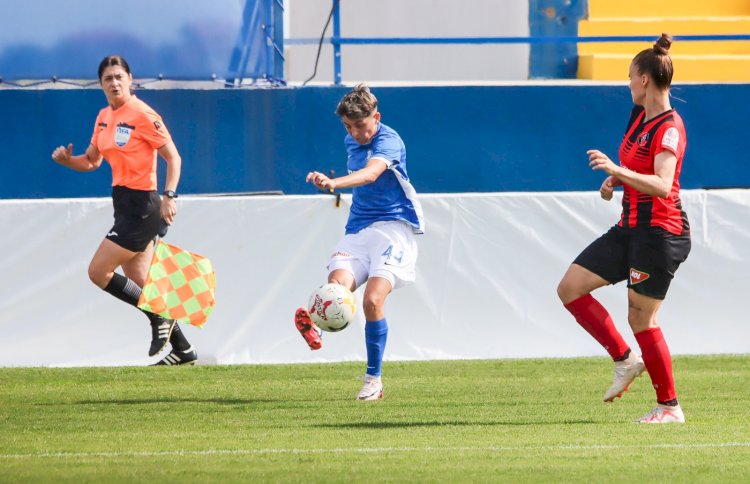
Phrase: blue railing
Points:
(338, 41)
(259, 50)
(506, 40)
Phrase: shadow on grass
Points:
(286, 402)
(455, 423)
(150, 401)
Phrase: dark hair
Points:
(112, 60)
(358, 103)
(656, 62)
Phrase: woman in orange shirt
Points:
(129, 134)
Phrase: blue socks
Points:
(376, 334)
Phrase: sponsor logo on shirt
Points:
(340, 254)
(643, 139)
(637, 276)
(122, 134)
(671, 139)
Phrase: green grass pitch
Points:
(538, 420)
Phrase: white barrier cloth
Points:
(486, 283)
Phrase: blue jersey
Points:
(391, 196)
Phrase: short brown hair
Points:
(656, 62)
(358, 103)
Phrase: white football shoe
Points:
(372, 389)
(625, 372)
(663, 414)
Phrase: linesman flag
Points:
(180, 285)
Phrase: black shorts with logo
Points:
(646, 257)
(137, 218)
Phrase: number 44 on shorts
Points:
(391, 257)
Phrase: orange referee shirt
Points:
(128, 138)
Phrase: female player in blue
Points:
(379, 246)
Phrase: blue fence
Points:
(459, 139)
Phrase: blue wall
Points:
(459, 139)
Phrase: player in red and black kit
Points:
(649, 242)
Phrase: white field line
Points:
(363, 450)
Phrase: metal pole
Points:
(278, 39)
(336, 44)
(267, 27)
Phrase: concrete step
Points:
(668, 8)
(673, 26)
(688, 68)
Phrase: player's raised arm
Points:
(658, 184)
(374, 168)
(607, 189)
(90, 160)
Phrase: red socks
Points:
(654, 350)
(658, 361)
(597, 322)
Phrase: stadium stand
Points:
(709, 61)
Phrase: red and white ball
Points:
(332, 307)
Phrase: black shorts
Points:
(646, 258)
(137, 218)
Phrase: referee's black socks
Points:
(124, 289)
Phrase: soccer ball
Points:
(332, 307)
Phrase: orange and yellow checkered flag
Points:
(180, 285)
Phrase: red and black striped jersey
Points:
(643, 140)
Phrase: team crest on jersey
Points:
(637, 276)
(643, 139)
(122, 134)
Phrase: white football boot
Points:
(625, 372)
(663, 414)
(372, 389)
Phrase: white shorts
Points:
(384, 249)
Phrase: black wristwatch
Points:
(170, 193)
